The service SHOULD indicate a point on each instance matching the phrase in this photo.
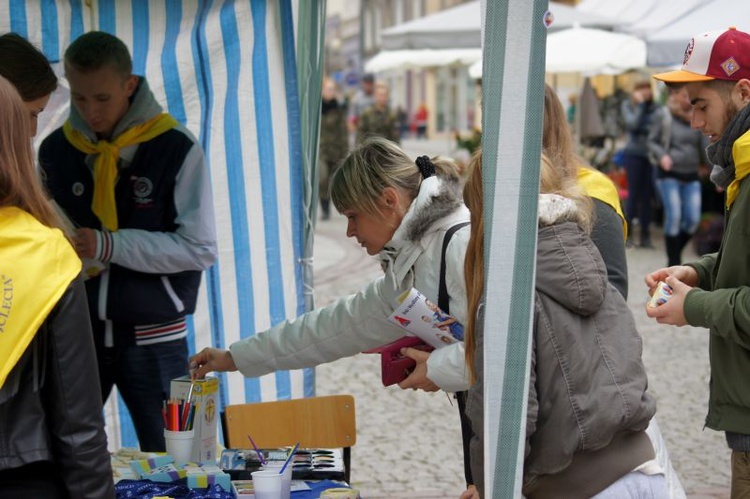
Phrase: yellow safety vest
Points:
(597, 185)
(37, 264)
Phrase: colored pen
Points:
(164, 414)
(260, 454)
(289, 458)
(185, 412)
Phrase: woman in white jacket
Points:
(400, 210)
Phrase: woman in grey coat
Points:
(677, 150)
(588, 408)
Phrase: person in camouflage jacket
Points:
(334, 142)
(379, 119)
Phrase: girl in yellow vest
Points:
(52, 443)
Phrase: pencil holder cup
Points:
(286, 481)
(268, 484)
(180, 444)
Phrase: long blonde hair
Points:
(373, 166)
(553, 180)
(474, 259)
(557, 145)
(19, 182)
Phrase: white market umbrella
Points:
(589, 51)
(594, 51)
(475, 70)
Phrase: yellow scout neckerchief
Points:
(597, 185)
(105, 166)
(741, 155)
(37, 264)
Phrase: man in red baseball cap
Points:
(714, 291)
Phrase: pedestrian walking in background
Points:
(52, 443)
(403, 122)
(638, 113)
(420, 120)
(334, 142)
(588, 407)
(363, 99)
(135, 184)
(677, 151)
(379, 120)
(714, 291)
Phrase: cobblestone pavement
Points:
(408, 443)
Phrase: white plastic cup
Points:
(180, 445)
(286, 483)
(268, 484)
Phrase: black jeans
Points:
(143, 375)
(640, 177)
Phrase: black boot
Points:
(674, 250)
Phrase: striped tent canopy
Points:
(227, 70)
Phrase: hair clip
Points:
(426, 168)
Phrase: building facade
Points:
(354, 36)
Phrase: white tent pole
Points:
(514, 39)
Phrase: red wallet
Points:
(394, 367)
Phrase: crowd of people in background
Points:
(658, 161)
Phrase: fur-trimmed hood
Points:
(438, 206)
(570, 269)
(438, 197)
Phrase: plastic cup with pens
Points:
(286, 475)
(274, 481)
(268, 484)
(179, 435)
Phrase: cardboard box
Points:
(243, 489)
(206, 398)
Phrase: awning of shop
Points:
(459, 27)
(389, 60)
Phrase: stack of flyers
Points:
(422, 318)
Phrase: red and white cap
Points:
(714, 55)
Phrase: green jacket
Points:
(721, 302)
(334, 136)
(381, 123)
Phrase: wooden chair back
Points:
(314, 422)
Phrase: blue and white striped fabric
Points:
(514, 44)
(227, 70)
